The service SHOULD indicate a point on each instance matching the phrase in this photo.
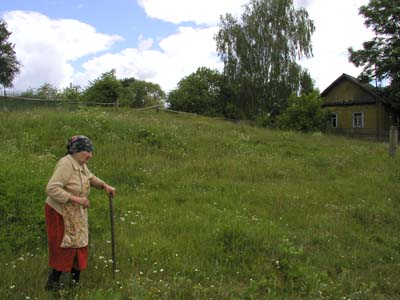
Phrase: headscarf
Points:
(79, 143)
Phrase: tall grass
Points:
(206, 209)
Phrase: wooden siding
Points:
(346, 96)
(375, 120)
(346, 92)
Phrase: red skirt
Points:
(62, 259)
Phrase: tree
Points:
(71, 93)
(380, 57)
(304, 113)
(140, 93)
(105, 89)
(202, 92)
(260, 51)
(9, 65)
(46, 91)
(307, 84)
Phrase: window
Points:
(334, 120)
(358, 120)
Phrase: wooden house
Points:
(356, 109)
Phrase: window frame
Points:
(334, 118)
(357, 118)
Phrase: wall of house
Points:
(345, 119)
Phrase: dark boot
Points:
(53, 281)
(75, 275)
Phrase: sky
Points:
(65, 42)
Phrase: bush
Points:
(304, 113)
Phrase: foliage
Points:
(47, 91)
(260, 50)
(203, 92)
(380, 56)
(29, 93)
(71, 93)
(307, 84)
(9, 65)
(140, 93)
(304, 113)
(105, 89)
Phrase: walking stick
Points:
(110, 197)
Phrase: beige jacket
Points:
(69, 179)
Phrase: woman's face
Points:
(82, 157)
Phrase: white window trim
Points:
(362, 119)
(337, 120)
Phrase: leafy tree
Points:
(260, 50)
(9, 65)
(307, 84)
(105, 89)
(140, 93)
(29, 93)
(202, 92)
(380, 57)
(46, 91)
(304, 113)
(71, 93)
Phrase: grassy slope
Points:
(206, 209)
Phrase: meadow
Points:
(206, 209)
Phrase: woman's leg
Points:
(75, 275)
(53, 280)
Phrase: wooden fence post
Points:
(393, 136)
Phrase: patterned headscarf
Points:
(79, 143)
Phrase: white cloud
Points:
(338, 27)
(45, 47)
(200, 12)
(180, 55)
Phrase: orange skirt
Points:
(62, 259)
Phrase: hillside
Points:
(206, 209)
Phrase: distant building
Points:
(356, 109)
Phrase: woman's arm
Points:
(55, 186)
(100, 184)
(80, 200)
(109, 189)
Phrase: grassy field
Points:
(206, 209)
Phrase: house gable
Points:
(347, 90)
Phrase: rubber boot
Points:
(75, 275)
(53, 281)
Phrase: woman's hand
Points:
(109, 189)
(80, 200)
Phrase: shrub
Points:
(304, 113)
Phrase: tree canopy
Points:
(140, 93)
(260, 50)
(105, 89)
(380, 57)
(9, 65)
(203, 92)
(129, 91)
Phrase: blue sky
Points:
(75, 41)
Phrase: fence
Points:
(15, 103)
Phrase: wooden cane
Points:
(110, 197)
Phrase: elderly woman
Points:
(66, 211)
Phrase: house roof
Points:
(368, 88)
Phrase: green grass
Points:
(206, 209)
